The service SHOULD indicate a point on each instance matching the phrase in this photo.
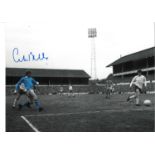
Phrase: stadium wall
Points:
(124, 87)
(84, 89)
(54, 89)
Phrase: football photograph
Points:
(62, 80)
(77, 77)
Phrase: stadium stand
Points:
(126, 67)
(49, 76)
(50, 80)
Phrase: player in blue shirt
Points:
(26, 86)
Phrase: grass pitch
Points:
(82, 113)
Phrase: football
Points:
(147, 102)
(22, 87)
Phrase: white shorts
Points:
(32, 94)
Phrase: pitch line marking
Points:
(63, 114)
(30, 124)
(84, 112)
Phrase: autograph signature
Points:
(29, 57)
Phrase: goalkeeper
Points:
(25, 86)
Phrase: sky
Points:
(61, 32)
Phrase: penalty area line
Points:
(63, 114)
(84, 112)
(30, 124)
